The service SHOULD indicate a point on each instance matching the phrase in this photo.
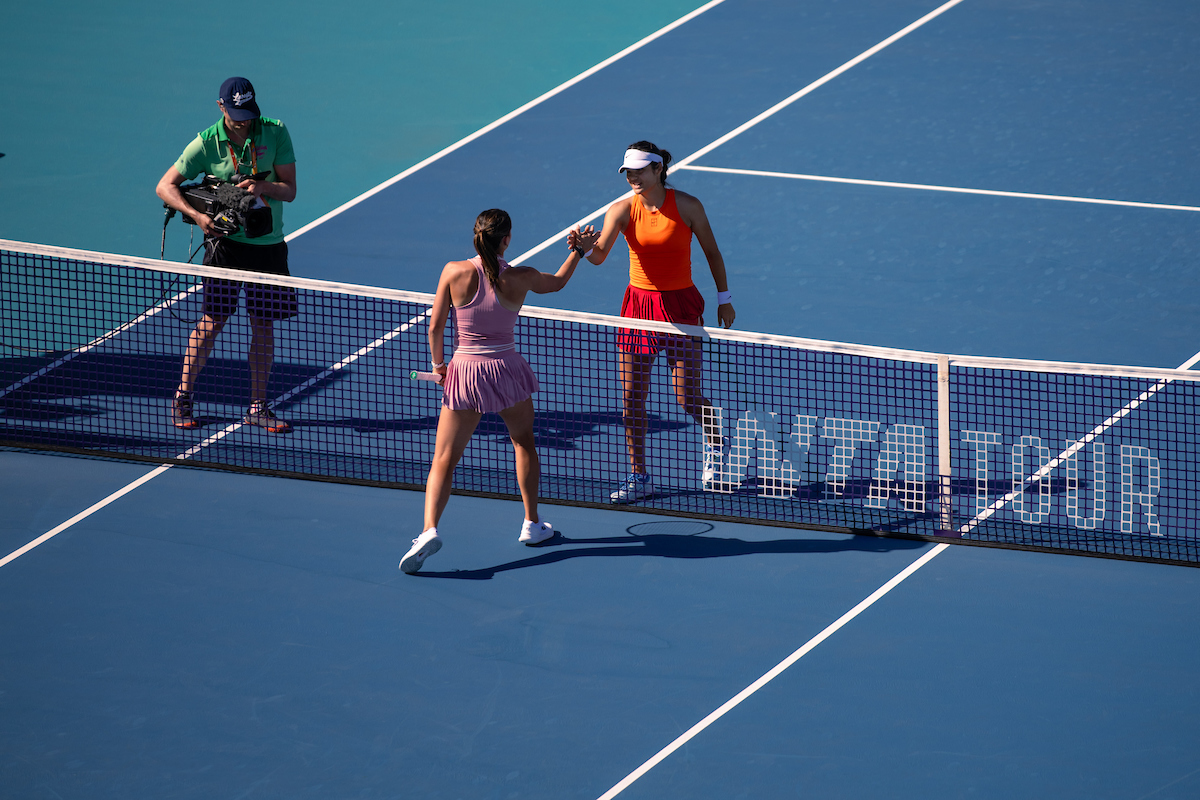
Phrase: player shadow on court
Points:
(662, 545)
(46, 411)
(55, 396)
(554, 431)
(561, 430)
(226, 381)
(367, 425)
(88, 440)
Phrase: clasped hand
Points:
(584, 238)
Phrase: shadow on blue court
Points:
(224, 635)
(675, 546)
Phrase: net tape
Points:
(1077, 457)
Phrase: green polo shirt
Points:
(212, 153)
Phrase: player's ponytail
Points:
(490, 229)
(650, 147)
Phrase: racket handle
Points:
(425, 376)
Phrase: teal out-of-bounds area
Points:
(100, 98)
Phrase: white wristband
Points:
(437, 366)
(724, 297)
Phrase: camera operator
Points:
(242, 142)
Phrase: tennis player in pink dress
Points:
(486, 374)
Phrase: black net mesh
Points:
(746, 427)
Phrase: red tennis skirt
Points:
(681, 306)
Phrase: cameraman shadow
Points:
(666, 545)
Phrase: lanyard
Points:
(253, 156)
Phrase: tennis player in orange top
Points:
(658, 223)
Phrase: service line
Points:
(758, 173)
(745, 126)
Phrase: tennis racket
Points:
(425, 376)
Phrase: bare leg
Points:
(635, 386)
(262, 355)
(519, 419)
(687, 375)
(454, 431)
(200, 344)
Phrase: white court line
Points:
(216, 437)
(488, 128)
(812, 87)
(729, 705)
(48, 535)
(742, 128)
(431, 159)
(932, 188)
(1074, 448)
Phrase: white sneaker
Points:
(423, 547)
(712, 462)
(636, 487)
(713, 458)
(535, 532)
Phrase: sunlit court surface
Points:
(906, 194)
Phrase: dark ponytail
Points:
(490, 229)
(650, 147)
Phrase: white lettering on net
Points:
(982, 440)
(903, 452)
(779, 459)
(780, 469)
(724, 482)
(1138, 460)
(847, 433)
(798, 447)
(1095, 514)
(1020, 477)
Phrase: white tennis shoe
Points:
(423, 547)
(710, 476)
(636, 487)
(535, 532)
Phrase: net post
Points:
(946, 523)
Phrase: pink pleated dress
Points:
(486, 373)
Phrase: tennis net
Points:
(1067, 457)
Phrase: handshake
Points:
(583, 239)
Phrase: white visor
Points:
(638, 159)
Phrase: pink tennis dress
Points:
(486, 373)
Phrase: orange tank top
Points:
(660, 247)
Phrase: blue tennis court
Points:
(973, 179)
